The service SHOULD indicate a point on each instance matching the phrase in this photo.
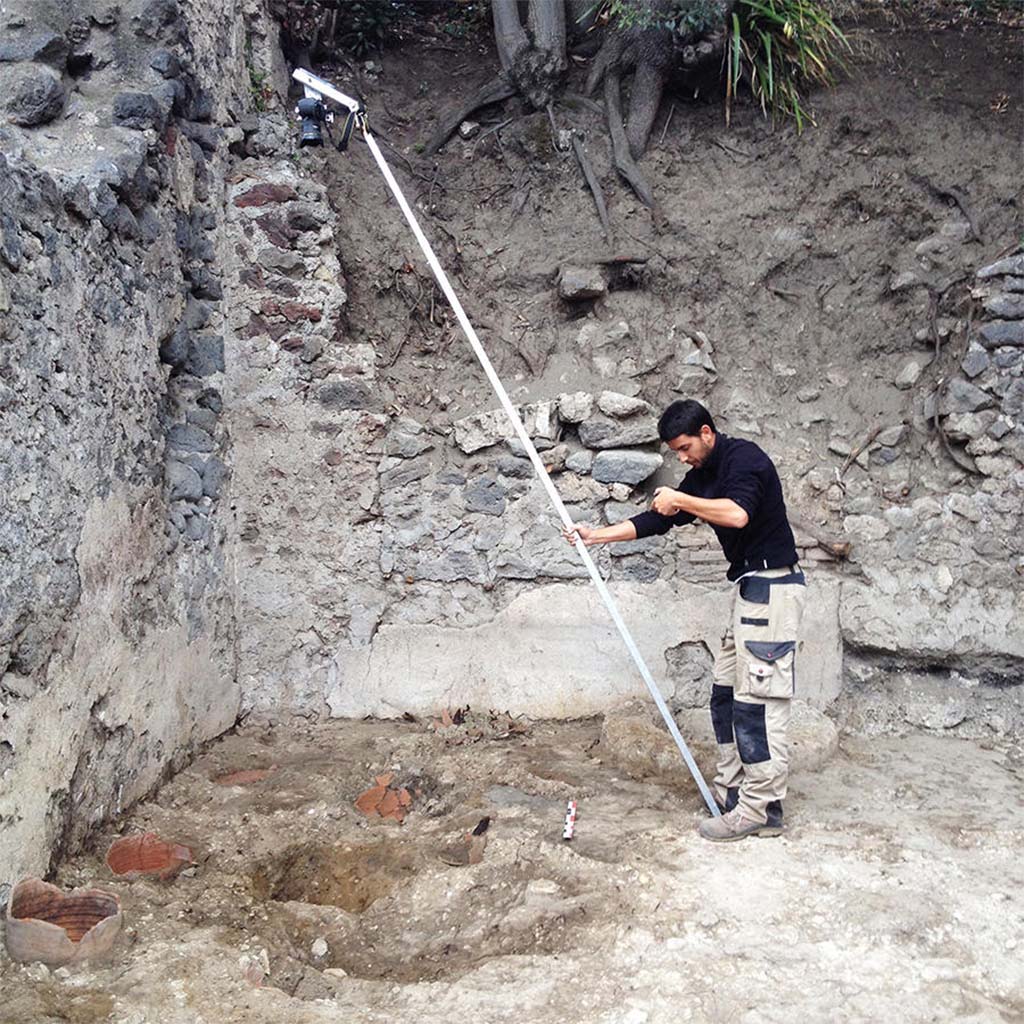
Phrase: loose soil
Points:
(894, 894)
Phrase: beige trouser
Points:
(753, 685)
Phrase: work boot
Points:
(733, 825)
(774, 812)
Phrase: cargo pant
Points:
(754, 679)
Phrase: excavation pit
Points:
(348, 876)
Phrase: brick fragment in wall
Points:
(261, 195)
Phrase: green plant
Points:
(781, 46)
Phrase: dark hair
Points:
(684, 417)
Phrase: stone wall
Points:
(117, 636)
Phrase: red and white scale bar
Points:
(570, 820)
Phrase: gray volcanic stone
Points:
(214, 475)
(33, 94)
(205, 355)
(628, 467)
(47, 47)
(1013, 400)
(1011, 307)
(580, 462)
(485, 495)
(205, 420)
(1002, 332)
(962, 396)
(183, 482)
(518, 469)
(190, 438)
(345, 394)
(139, 110)
(975, 361)
(407, 439)
(578, 283)
(1010, 265)
(165, 63)
(604, 432)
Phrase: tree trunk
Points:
(509, 34)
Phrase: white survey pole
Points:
(311, 82)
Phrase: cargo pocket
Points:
(769, 668)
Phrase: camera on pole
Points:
(315, 116)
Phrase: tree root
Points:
(494, 91)
(593, 184)
(624, 162)
(648, 84)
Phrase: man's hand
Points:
(666, 501)
(584, 532)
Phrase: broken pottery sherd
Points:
(385, 801)
(147, 854)
(47, 925)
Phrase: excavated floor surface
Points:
(894, 895)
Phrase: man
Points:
(733, 486)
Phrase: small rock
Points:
(1010, 265)
(139, 110)
(578, 283)
(468, 129)
(575, 407)
(485, 495)
(407, 439)
(214, 475)
(580, 462)
(624, 466)
(46, 47)
(165, 63)
(205, 355)
(975, 361)
(965, 507)
(1010, 307)
(901, 282)
(910, 374)
(189, 438)
(33, 94)
(810, 394)
(594, 334)
(962, 396)
(1002, 332)
(345, 394)
(614, 404)
(183, 482)
(892, 436)
(1013, 400)
(319, 949)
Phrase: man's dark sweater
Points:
(739, 470)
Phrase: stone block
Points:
(611, 403)
(625, 466)
(604, 432)
(575, 407)
(578, 283)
